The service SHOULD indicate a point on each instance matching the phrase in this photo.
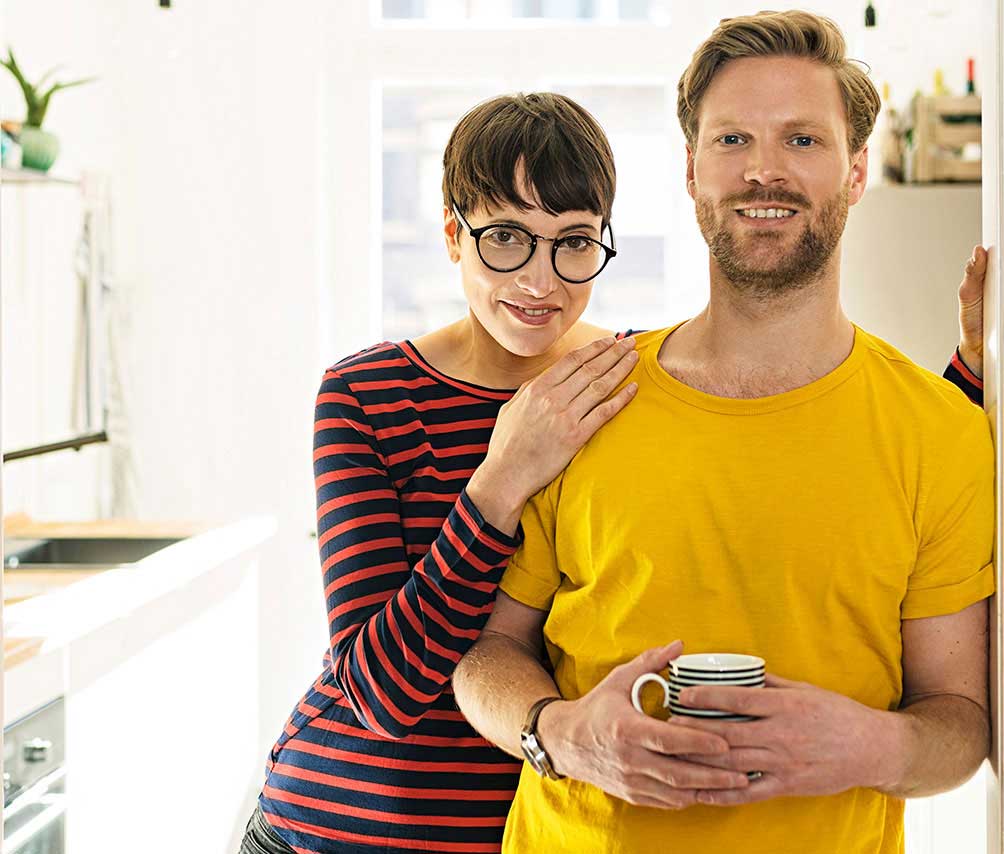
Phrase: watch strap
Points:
(535, 752)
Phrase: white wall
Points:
(207, 117)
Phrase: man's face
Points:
(770, 172)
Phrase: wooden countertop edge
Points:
(223, 542)
(20, 526)
(18, 650)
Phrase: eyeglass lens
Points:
(506, 248)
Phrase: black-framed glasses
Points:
(576, 259)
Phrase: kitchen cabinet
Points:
(903, 252)
(158, 666)
(168, 735)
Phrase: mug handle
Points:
(640, 682)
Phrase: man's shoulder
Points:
(653, 337)
(914, 387)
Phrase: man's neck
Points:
(745, 345)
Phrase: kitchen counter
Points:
(21, 526)
(85, 623)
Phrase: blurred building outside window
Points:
(480, 11)
(421, 289)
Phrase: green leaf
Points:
(57, 86)
(46, 76)
(30, 96)
(36, 102)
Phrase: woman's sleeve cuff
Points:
(958, 373)
(485, 531)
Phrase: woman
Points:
(424, 456)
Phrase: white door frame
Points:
(993, 239)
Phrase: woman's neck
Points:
(466, 351)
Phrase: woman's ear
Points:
(451, 231)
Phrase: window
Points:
(421, 288)
(453, 11)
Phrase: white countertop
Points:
(89, 626)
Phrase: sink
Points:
(81, 551)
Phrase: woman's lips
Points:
(531, 319)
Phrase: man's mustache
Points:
(780, 197)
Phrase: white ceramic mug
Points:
(640, 682)
(716, 665)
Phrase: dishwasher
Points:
(34, 783)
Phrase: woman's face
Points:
(526, 311)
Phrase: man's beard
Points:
(799, 266)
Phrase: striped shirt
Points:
(958, 372)
(376, 755)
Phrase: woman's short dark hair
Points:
(562, 149)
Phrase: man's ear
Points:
(451, 230)
(858, 176)
(691, 183)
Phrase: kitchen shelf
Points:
(34, 177)
(92, 267)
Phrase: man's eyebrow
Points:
(810, 124)
(789, 124)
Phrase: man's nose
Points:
(765, 165)
(537, 276)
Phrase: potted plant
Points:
(38, 147)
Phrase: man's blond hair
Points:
(793, 33)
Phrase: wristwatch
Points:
(529, 741)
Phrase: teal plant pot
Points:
(39, 148)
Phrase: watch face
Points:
(532, 752)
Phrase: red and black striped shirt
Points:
(959, 373)
(376, 756)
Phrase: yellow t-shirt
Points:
(800, 527)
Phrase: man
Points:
(784, 485)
